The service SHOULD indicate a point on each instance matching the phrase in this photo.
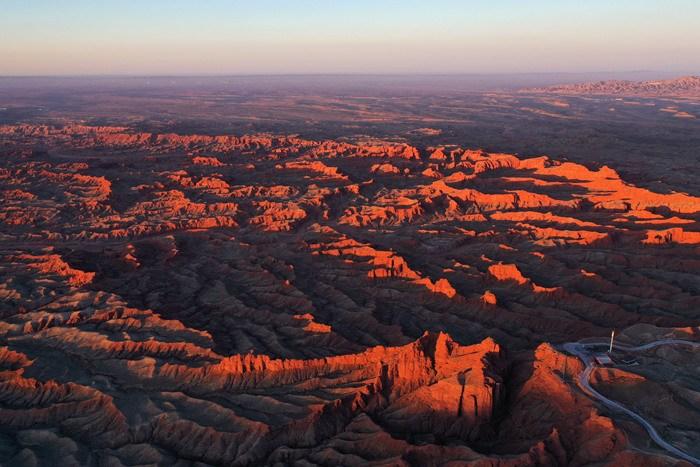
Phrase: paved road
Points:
(580, 350)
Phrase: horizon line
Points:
(339, 74)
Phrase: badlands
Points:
(197, 299)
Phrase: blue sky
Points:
(360, 36)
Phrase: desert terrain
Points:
(684, 87)
(215, 274)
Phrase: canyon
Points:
(275, 299)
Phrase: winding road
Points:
(581, 350)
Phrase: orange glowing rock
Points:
(431, 173)
(311, 325)
(205, 160)
(441, 286)
(54, 264)
(385, 168)
(489, 298)
(507, 272)
(438, 155)
(673, 235)
(317, 167)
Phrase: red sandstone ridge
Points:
(673, 235)
(53, 265)
(273, 300)
(507, 272)
(441, 286)
(510, 272)
(311, 325)
(204, 160)
(385, 168)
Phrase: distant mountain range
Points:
(686, 86)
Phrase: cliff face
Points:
(273, 300)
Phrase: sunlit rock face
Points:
(272, 300)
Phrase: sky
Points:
(216, 37)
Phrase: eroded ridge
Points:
(275, 300)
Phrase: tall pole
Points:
(612, 338)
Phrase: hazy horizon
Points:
(274, 37)
(349, 84)
(617, 74)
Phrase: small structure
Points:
(612, 339)
(603, 359)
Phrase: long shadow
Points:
(463, 378)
